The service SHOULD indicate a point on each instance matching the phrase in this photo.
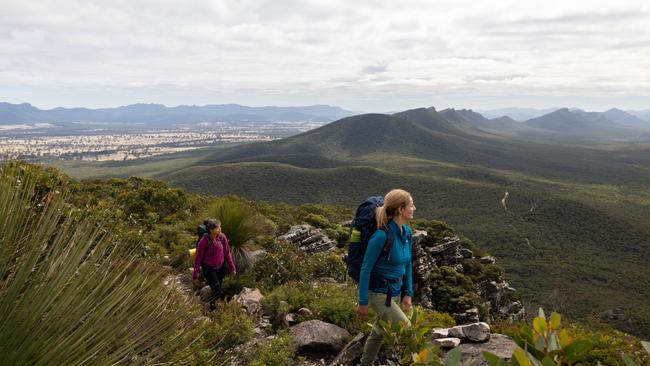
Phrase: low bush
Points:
(231, 325)
(283, 263)
(452, 291)
(327, 264)
(278, 351)
(233, 285)
(336, 304)
(295, 294)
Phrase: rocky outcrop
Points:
(429, 254)
(315, 336)
(308, 238)
(499, 295)
(498, 344)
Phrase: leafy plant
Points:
(546, 344)
(410, 344)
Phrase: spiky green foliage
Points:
(69, 294)
(241, 224)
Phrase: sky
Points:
(370, 56)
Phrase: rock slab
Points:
(499, 344)
(250, 299)
(447, 342)
(315, 336)
(350, 353)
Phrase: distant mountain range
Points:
(162, 115)
(550, 124)
(518, 114)
(561, 124)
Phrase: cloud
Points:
(314, 50)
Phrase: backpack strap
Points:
(389, 242)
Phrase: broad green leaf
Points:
(555, 320)
(547, 361)
(565, 338)
(453, 357)
(628, 361)
(525, 334)
(519, 357)
(539, 324)
(540, 343)
(577, 350)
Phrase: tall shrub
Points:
(241, 224)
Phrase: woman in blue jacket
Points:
(383, 277)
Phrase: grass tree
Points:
(241, 224)
(72, 295)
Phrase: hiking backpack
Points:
(363, 226)
(201, 230)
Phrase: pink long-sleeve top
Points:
(212, 253)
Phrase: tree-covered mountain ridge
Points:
(115, 248)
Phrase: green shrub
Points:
(436, 319)
(231, 325)
(282, 263)
(436, 229)
(338, 233)
(295, 294)
(327, 264)
(275, 352)
(609, 344)
(318, 221)
(233, 285)
(546, 343)
(336, 304)
(452, 291)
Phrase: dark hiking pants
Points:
(214, 276)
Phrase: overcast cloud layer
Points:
(361, 55)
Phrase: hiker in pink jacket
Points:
(212, 253)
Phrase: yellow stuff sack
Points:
(192, 253)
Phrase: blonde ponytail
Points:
(394, 200)
(381, 217)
